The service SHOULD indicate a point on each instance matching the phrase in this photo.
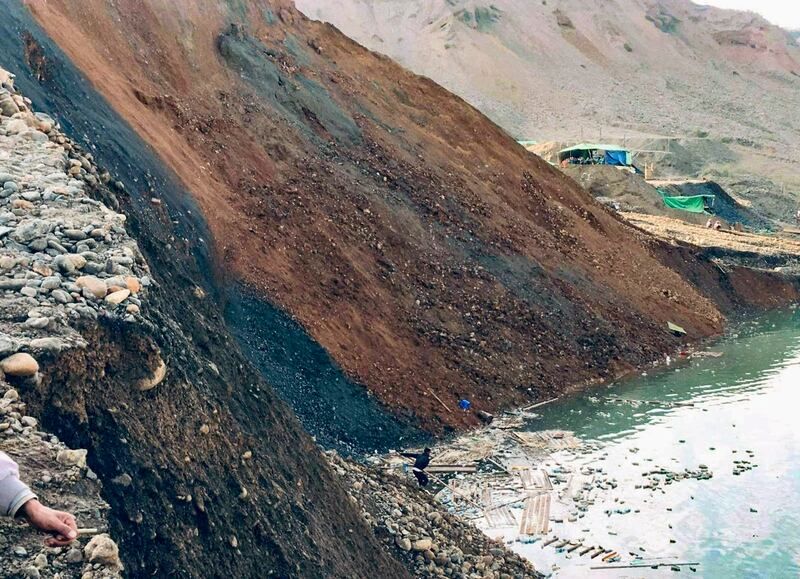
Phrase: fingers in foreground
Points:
(58, 541)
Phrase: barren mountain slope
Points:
(569, 70)
(416, 242)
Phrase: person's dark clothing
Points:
(422, 478)
(421, 461)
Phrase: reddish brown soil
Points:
(417, 242)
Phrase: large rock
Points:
(20, 364)
(104, 551)
(69, 457)
(158, 375)
(31, 230)
(96, 286)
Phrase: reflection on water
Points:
(708, 411)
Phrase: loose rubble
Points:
(64, 257)
(60, 478)
(420, 532)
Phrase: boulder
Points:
(20, 364)
(69, 457)
(104, 551)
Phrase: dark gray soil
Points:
(337, 411)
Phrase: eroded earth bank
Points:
(379, 249)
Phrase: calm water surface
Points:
(706, 411)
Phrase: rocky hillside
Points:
(724, 83)
(118, 352)
(409, 236)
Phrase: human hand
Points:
(61, 524)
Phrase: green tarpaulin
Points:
(693, 204)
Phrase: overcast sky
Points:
(784, 13)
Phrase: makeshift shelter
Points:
(596, 154)
(692, 204)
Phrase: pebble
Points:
(118, 296)
(102, 549)
(94, 285)
(403, 543)
(61, 297)
(40, 561)
(421, 545)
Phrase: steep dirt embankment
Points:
(117, 350)
(412, 238)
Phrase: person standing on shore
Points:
(16, 498)
(421, 462)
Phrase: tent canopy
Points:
(611, 154)
(692, 204)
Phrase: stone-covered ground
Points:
(63, 257)
(60, 478)
(421, 533)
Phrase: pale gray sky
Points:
(784, 13)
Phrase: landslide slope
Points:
(208, 473)
(411, 237)
(574, 70)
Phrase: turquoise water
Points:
(707, 411)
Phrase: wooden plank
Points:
(436, 468)
(526, 476)
(538, 404)
(526, 523)
(439, 400)
(549, 542)
(500, 517)
(536, 515)
(543, 515)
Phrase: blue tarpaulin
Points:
(597, 153)
(619, 158)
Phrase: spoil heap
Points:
(63, 257)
